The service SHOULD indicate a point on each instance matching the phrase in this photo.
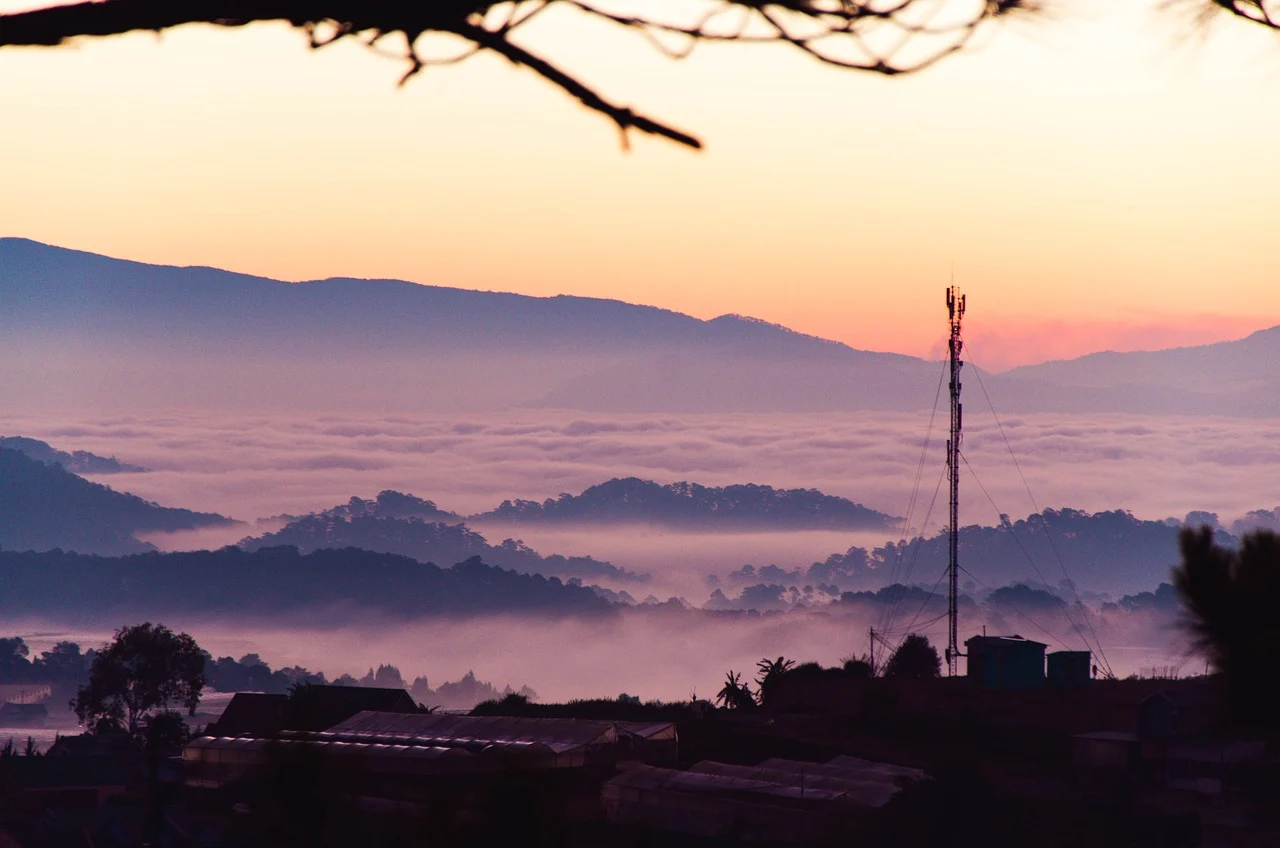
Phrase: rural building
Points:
(1070, 668)
(315, 708)
(778, 800)
(433, 745)
(1005, 662)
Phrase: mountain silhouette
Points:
(77, 462)
(79, 329)
(370, 526)
(695, 507)
(43, 507)
(83, 328)
(270, 582)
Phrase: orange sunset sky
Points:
(1098, 179)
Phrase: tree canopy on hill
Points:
(692, 506)
(43, 507)
(273, 582)
(77, 462)
(390, 504)
(428, 541)
(1111, 551)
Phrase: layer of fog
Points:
(256, 466)
(664, 653)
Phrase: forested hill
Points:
(271, 582)
(695, 507)
(1105, 551)
(45, 506)
(427, 541)
(77, 462)
(391, 504)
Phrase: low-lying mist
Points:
(251, 467)
(664, 652)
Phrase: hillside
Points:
(695, 507)
(45, 506)
(428, 541)
(272, 582)
(77, 462)
(79, 328)
(1100, 552)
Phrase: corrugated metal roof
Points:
(873, 792)
(861, 766)
(557, 734)
(648, 730)
(672, 780)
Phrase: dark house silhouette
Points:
(309, 708)
(1005, 662)
(1070, 668)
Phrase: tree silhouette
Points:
(1230, 602)
(770, 672)
(735, 694)
(915, 657)
(879, 36)
(145, 669)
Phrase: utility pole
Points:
(955, 309)
(872, 643)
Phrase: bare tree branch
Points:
(877, 36)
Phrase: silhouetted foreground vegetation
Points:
(695, 507)
(44, 506)
(1230, 600)
(274, 581)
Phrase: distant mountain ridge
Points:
(274, 582)
(429, 541)
(84, 329)
(77, 462)
(44, 506)
(696, 507)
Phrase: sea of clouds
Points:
(251, 467)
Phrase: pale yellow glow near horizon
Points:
(1093, 183)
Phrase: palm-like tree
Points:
(770, 672)
(1231, 607)
(735, 694)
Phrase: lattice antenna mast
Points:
(955, 308)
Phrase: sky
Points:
(1095, 178)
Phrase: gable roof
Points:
(313, 708)
(557, 734)
(251, 714)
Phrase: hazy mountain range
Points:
(44, 506)
(78, 328)
(77, 462)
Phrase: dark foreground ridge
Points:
(275, 581)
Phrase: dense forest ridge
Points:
(696, 507)
(428, 541)
(43, 506)
(1102, 551)
(77, 462)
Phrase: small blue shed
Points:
(1005, 662)
(1070, 668)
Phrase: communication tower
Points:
(955, 308)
